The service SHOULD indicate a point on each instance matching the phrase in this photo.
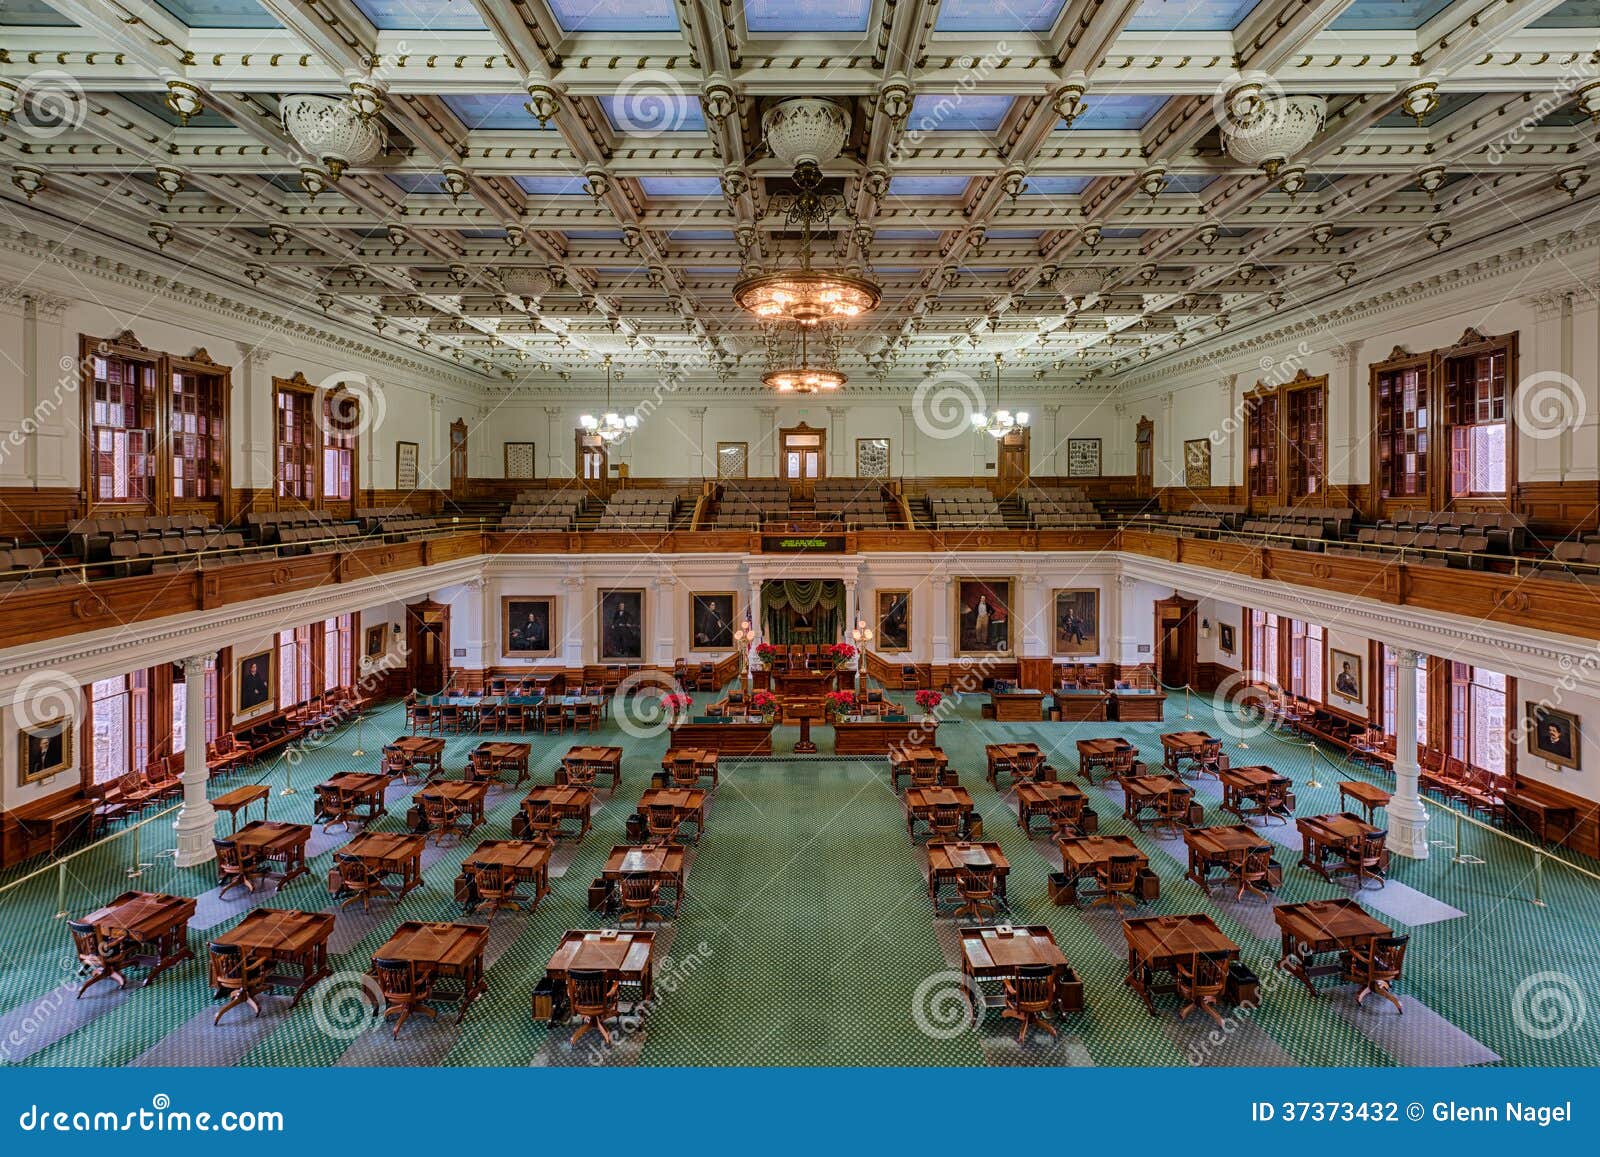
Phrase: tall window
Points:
(180, 709)
(121, 725)
(296, 465)
(198, 438)
(1307, 655)
(1400, 430)
(1391, 686)
(1261, 462)
(294, 667)
(338, 653)
(1264, 646)
(1475, 411)
(1304, 450)
(340, 420)
(122, 467)
(1478, 717)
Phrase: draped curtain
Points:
(789, 607)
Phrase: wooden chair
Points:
(1066, 818)
(1211, 761)
(497, 889)
(360, 880)
(1173, 815)
(1201, 979)
(236, 867)
(1250, 869)
(102, 956)
(661, 823)
(1027, 769)
(685, 771)
(543, 824)
(580, 773)
(514, 717)
(1274, 800)
(334, 806)
(593, 996)
(445, 820)
(640, 896)
(242, 975)
(405, 989)
(945, 822)
(584, 717)
(552, 717)
(1115, 879)
(449, 719)
(975, 883)
(1029, 996)
(1376, 966)
(1364, 858)
(397, 765)
(1122, 762)
(925, 772)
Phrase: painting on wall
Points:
(894, 621)
(1083, 457)
(405, 465)
(1554, 735)
(872, 457)
(527, 626)
(255, 683)
(519, 460)
(711, 620)
(1197, 463)
(1346, 677)
(44, 749)
(1226, 641)
(983, 617)
(621, 626)
(1077, 621)
(375, 634)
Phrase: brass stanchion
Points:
(1538, 880)
(1315, 751)
(1462, 857)
(288, 777)
(361, 717)
(61, 891)
(136, 869)
(1188, 703)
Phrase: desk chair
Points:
(661, 823)
(593, 996)
(552, 717)
(497, 889)
(102, 955)
(1116, 879)
(1201, 979)
(925, 772)
(976, 885)
(1376, 966)
(335, 807)
(1250, 869)
(1029, 996)
(945, 823)
(445, 820)
(237, 867)
(360, 880)
(1066, 818)
(405, 989)
(242, 975)
(1173, 814)
(579, 772)
(1364, 858)
(640, 896)
(584, 717)
(685, 772)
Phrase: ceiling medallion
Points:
(331, 130)
(1277, 129)
(806, 133)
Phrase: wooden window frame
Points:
(1282, 399)
(1470, 346)
(315, 448)
(219, 377)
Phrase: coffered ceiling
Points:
(1079, 248)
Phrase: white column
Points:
(1582, 459)
(1034, 614)
(908, 442)
(552, 418)
(836, 459)
(1347, 437)
(764, 461)
(1045, 455)
(197, 818)
(1233, 428)
(939, 585)
(1168, 471)
(698, 415)
(574, 614)
(665, 628)
(1408, 818)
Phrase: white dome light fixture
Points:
(610, 427)
(331, 130)
(1277, 129)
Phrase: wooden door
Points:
(593, 461)
(1177, 642)
(428, 646)
(458, 457)
(1144, 457)
(802, 457)
(1012, 463)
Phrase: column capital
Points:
(1345, 352)
(1405, 656)
(552, 411)
(1547, 306)
(572, 581)
(194, 665)
(697, 411)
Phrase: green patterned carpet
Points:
(806, 937)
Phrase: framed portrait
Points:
(527, 626)
(44, 749)
(519, 459)
(1554, 735)
(1197, 463)
(713, 616)
(1075, 621)
(894, 621)
(375, 645)
(255, 684)
(1226, 640)
(872, 457)
(1083, 457)
(1347, 677)
(622, 626)
(983, 617)
(405, 465)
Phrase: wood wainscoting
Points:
(32, 514)
(1559, 509)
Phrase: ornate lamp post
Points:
(744, 637)
(860, 635)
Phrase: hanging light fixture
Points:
(804, 378)
(610, 427)
(1002, 421)
(804, 133)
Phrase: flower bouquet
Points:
(766, 652)
(764, 704)
(840, 703)
(677, 704)
(842, 654)
(929, 701)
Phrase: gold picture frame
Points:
(44, 749)
(713, 617)
(524, 620)
(620, 625)
(983, 616)
(893, 626)
(1554, 735)
(1072, 609)
(250, 696)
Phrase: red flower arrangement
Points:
(840, 702)
(841, 653)
(763, 702)
(928, 700)
(766, 652)
(675, 702)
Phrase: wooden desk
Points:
(604, 761)
(1212, 848)
(1040, 799)
(994, 953)
(471, 798)
(1178, 746)
(1143, 793)
(365, 792)
(240, 798)
(688, 802)
(525, 862)
(1325, 838)
(505, 756)
(425, 752)
(272, 840)
(1156, 944)
(1083, 856)
(1244, 790)
(804, 684)
(922, 802)
(629, 956)
(295, 942)
(156, 922)
(903, 759)
(1099, 753)
(391, 854)
(1017, 706)
(663, 862)
(1536, 814)
(1320, 927)
(447, 952)
(735, 737)
(1081, 706)
(1004, 757)
(566, 802)
(1128, 706)
(945, 861)
(705, 762)
(60, 823)
(862, 735)
(1370, 796)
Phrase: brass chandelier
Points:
(804, 378)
